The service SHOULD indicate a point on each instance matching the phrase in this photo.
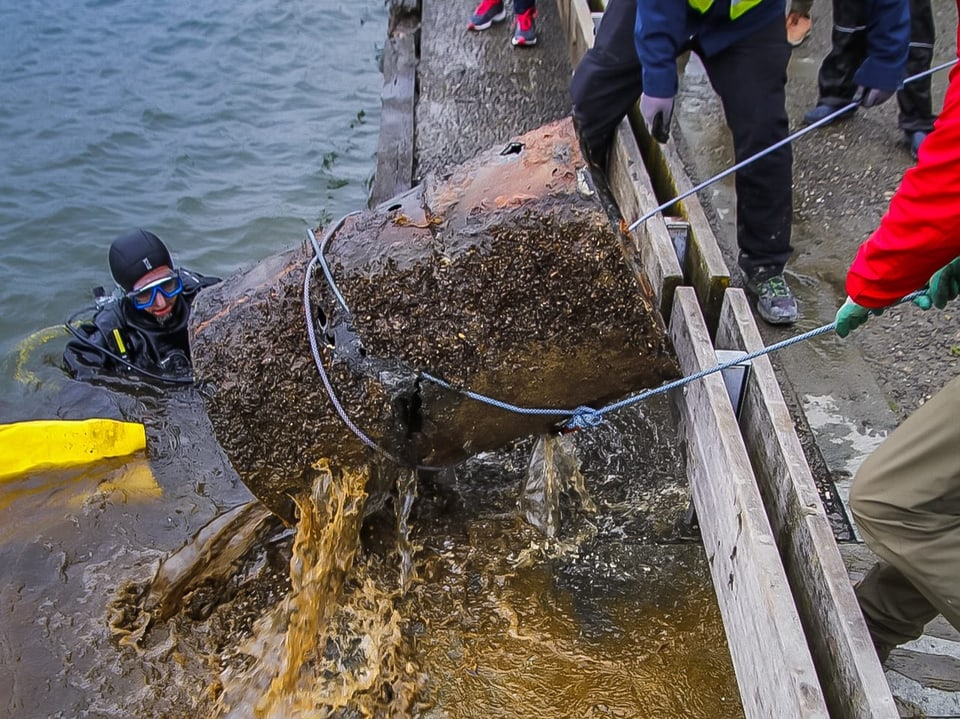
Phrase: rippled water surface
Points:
(225, 127)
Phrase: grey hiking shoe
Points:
(775, 302)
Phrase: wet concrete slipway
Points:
(612, 616)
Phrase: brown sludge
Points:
(500, 276)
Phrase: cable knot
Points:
(584, 418)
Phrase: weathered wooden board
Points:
(395, 149)
(846, 661)
(578, 24)
(651, 241)
(773, 664)
(703, 266)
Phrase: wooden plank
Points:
(704, 268)
(850, 673)
(773, 665)
(578, 25)
(394, 173)
(651, 242)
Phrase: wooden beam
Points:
(577, 21)
(704, 268)
(773, 665)
(850, 674)
(651, 243)
(394, 173)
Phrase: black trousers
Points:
(849, 50)
(750, 78)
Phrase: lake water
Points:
(225, 127)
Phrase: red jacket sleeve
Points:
(920, 231)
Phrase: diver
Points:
(141, 328)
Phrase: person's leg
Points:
(906, 502)
(522, 6)
(802, 7)
(894, 610)
(750, 77)
(607, 81)
(916, 106)
(835, 84)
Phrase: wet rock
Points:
(498, 276)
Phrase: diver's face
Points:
(157, 292)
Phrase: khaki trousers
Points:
(906, 503)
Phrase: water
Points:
(224, 127)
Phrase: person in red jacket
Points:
(906, 496)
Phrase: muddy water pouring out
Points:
(472, 612)
(313, 655)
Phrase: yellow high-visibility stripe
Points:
(737, 7)
(119, 340)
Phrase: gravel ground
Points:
(844, 177)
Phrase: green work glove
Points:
(943, 287)
(851, 315)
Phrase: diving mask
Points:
(169, 286)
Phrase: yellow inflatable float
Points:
(46, 444)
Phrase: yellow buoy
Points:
(43, 443)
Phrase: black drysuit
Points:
(121, 340)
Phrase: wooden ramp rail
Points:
(799, 645)
(395, 169)
(850, 672)
(774, 669)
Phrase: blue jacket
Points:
(666, 28)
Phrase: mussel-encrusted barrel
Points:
(501, 276)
